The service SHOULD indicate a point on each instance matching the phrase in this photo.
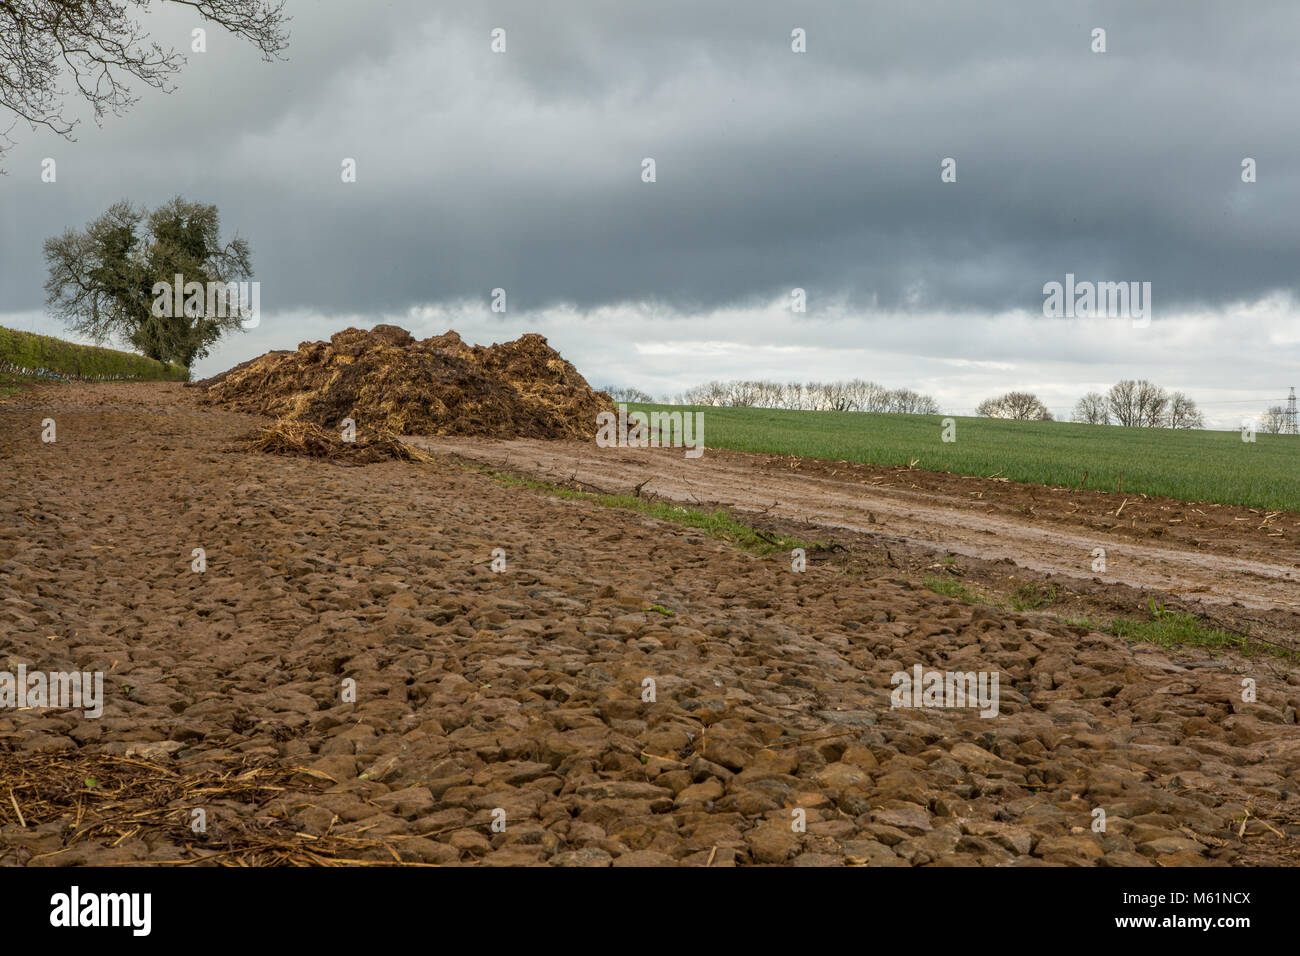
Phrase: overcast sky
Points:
(775, 170)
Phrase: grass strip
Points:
(718, 524)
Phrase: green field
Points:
(1191, 465)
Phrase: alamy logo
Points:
(72, 690)
(75, 908)
(924, 688)
(648, 430)
(1093, 300)
(241, 300)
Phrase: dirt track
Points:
(1227, 563)
(522, 691)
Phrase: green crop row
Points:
(1215, 466)
(41, 356)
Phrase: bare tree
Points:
(1092, 410)
(837, 397)
(1273, 420)
(742, 395)
(1021, 406)
(1183, 413)
(620, 393)
(712, 393)
(1141, 404)
(867, 396)
(1138, 404)
(1121, 399)
(904, 401)
(814, 397)
(771, 394)
(1153, 405)
(101, 47)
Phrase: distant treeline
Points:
(25, 353)
(1138, 404)
(852, 396)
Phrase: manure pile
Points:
(285, 437)
(387, 380)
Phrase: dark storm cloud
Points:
(775, 170)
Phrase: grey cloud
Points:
(775, 170)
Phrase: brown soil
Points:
(384, 379)
(1215, 554)
(521, 691)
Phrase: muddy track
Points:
(351, 679)
(932, 518)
